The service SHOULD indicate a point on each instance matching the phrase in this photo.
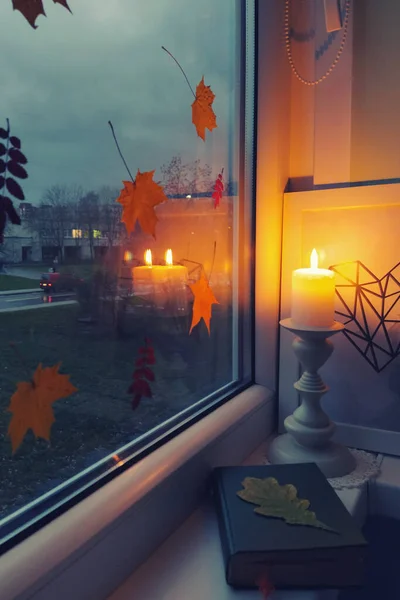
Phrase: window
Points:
(137, 337)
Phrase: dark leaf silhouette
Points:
(16, 155)
(31, 9)
(15, 169)
(142, 374)
(16, 142)
(11, 165)
(7, 210)
(14, 188)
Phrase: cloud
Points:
(62, 83)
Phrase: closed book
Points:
(256, 547)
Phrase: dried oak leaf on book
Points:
(203, 116)
(279, 501)
(31, 404)
(203, 300)
(138, 200)
(31, 9)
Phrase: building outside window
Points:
(124, 350)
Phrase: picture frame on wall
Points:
(356, 232)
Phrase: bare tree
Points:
(55, 215)
(90, 217)
(186, 178)
(110, 215)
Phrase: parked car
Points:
(59, 282)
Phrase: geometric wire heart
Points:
(370, 311)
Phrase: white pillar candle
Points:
(313, 295)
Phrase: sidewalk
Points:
(15, 292)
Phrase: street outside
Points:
(20, 299)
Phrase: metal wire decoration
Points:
(370, 311)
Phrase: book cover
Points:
(290, 555)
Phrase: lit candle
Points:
(313, 295)
(167, 283)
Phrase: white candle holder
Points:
(309, 429)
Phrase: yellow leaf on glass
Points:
(138, 200)
(203, 116)
(203, 300)
(31, 404)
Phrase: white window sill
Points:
(190, 564)
(90, 550)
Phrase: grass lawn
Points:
(98, 419)
(10, 282)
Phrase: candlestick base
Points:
(309, 429)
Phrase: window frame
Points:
(39, 513)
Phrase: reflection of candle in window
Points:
(143, 276)
(313, 295)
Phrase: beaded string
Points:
(337, 57)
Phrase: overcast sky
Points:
(62, 82)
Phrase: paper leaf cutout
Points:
(266, 587)
(203, 301)
(138, 200)
(203, 116)
(31, 9)
(142, 374)
(218, 189)
(31, 404)
(279, 501)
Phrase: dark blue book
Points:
(258, 547)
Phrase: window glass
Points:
(123, 285)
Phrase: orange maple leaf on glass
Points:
(31, 9)
(203, 116)
(138, 200)
(203, 301)
(31, 404)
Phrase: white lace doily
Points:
(367, 466)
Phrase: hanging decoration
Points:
(203, 116)
(203, 300)
(218, 189)
(142, 374)
(11, 161)
(139, 197)
(31, 404)
(31, 9)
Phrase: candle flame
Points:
(147, 258)
(314, 259)
(127, 256)
(168, 257)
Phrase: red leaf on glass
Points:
(266, 587)
(31, 9)
(142, 374)
(218, 189)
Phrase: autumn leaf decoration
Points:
(142, 374)
(203, 115)
(279, 501)
(139, 197)
(218, 189)
(31, 404)
(31, 9)
(203, 300)
(266, 587)
(11, 161)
